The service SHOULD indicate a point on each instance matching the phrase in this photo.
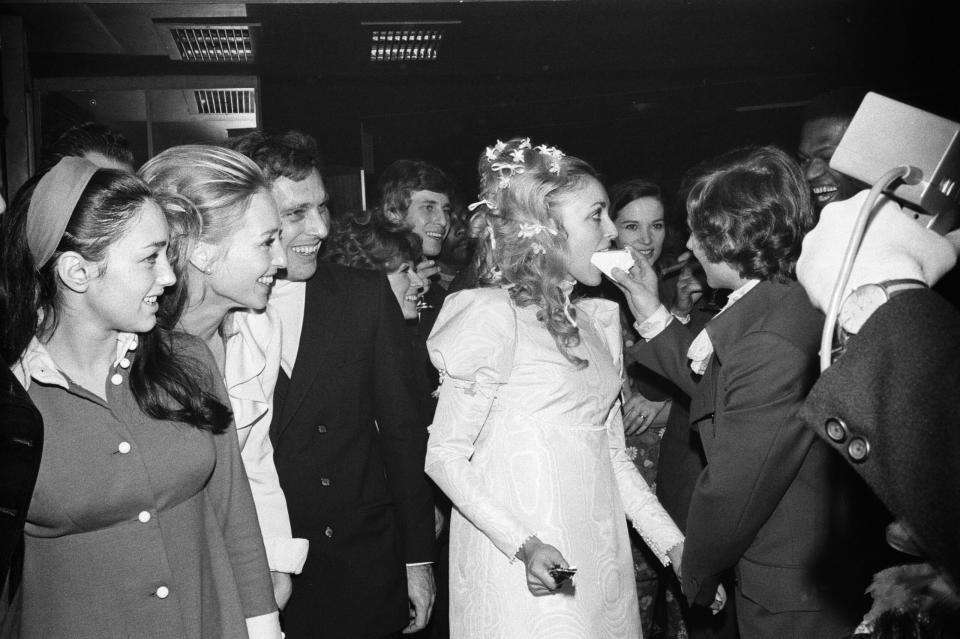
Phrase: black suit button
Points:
(324, 481)
(321, 429)
(328, 532)
(858, 449)
(836, 429)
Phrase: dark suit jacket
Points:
(765, 502)
(349, 446)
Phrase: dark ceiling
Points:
(649, 86)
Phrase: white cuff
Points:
(264, 626)
(286, 554)
(655, 324)
(420, 563)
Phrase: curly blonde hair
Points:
(524, 242)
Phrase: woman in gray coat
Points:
(141, 523)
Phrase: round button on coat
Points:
(123, 448)
(144, 516)
(836, 429)
(328, 532)
(116, 379)
(163, 592)
(858, 449)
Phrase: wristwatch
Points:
(864, 300)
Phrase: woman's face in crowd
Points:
(123, 296)
(585, 216)
(640, 224)
(407, 287)
(243, 273)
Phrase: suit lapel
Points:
(323, 308)
(724, 330)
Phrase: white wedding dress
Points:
(524, 443)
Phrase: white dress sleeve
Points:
(472, 346)
(640, 503)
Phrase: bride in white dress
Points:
(527, 440)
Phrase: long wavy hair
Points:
(524, 242)
(204, 192)
(163, 380)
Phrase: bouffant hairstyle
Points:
(750, 208)
(204, 192)
(364, 241)
(524, 242)
(165, 381)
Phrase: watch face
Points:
(859, 306)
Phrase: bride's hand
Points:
(539, 558)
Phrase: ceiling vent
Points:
(209, 42)
(225, 101)
(407, 41)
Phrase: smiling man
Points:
(348, 438)
(825, 120)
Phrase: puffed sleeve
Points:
(229, 493)
(640, 503)
(472, 346)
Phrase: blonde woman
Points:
(528, 440)
(225, 246)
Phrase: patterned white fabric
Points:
(524, 443)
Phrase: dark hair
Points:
(401, 179)
(30, 297)
(623, 193)
(85, 138)
(842, 103)
(750, 207)
(292, 155)
(364, 241)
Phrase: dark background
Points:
(638, 88)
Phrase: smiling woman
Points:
(225, 246)
(140, 510)
(366, 243)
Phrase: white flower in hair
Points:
(491, 154)
(524, 144)
(517, 155)
(535, 228)
(537, 249)
(555, 155)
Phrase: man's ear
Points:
(76, 272)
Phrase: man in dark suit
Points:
(766, 503)
(349, 440)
